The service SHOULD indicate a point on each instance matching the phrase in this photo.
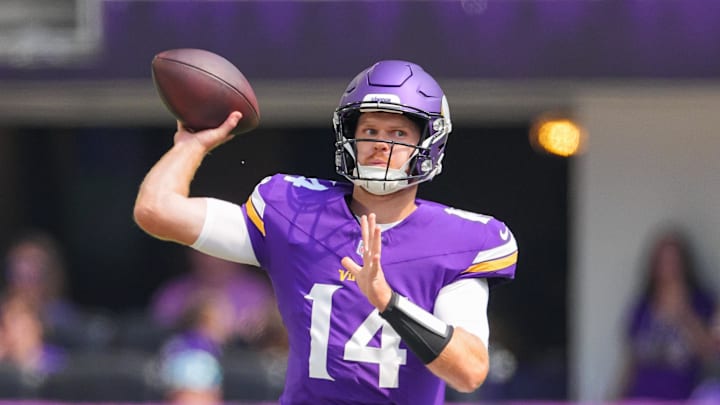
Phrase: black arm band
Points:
(423, 333)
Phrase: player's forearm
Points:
(453, 354)
(162, 207)
(176, 169)
(464, 362)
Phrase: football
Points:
(201, 89)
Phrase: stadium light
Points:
(558, 135)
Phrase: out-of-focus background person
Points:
(669, 335)
(35, 273)
(190, 362)
(24, 351)
(246, 290)
(708, 391)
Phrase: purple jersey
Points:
(341, 350)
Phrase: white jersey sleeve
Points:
(224, 233)
(464, 304)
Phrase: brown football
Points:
(201, 89)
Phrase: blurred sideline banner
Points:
(459, 38)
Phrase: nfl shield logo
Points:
(360, 248)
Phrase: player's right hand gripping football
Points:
(209, 139)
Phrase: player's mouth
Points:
(377, 162)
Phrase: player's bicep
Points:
(464, 303)
(224, 233)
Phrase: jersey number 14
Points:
(389, 356)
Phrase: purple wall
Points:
(508, 40)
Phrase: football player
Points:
(384, 295)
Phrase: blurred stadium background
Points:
(80, 124)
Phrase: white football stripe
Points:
(497, 252)
(257, 200)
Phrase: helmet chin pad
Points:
(380, 180)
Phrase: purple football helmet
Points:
(399, 87)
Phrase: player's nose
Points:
(382, 143)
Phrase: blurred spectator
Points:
(708, 391)
(255, 320)
(35, 272)
(190, 367)
(22, 342)
(668, 328)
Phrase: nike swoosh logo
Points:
(504, 233)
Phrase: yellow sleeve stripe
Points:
(254, 217)
(493, 265)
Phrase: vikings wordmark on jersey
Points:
(341, 349)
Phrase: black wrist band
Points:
(423, 333)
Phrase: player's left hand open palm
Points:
(370, 277)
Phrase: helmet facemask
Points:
(423, 164)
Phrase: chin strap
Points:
(423, 333)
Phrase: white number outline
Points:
(389, 356)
